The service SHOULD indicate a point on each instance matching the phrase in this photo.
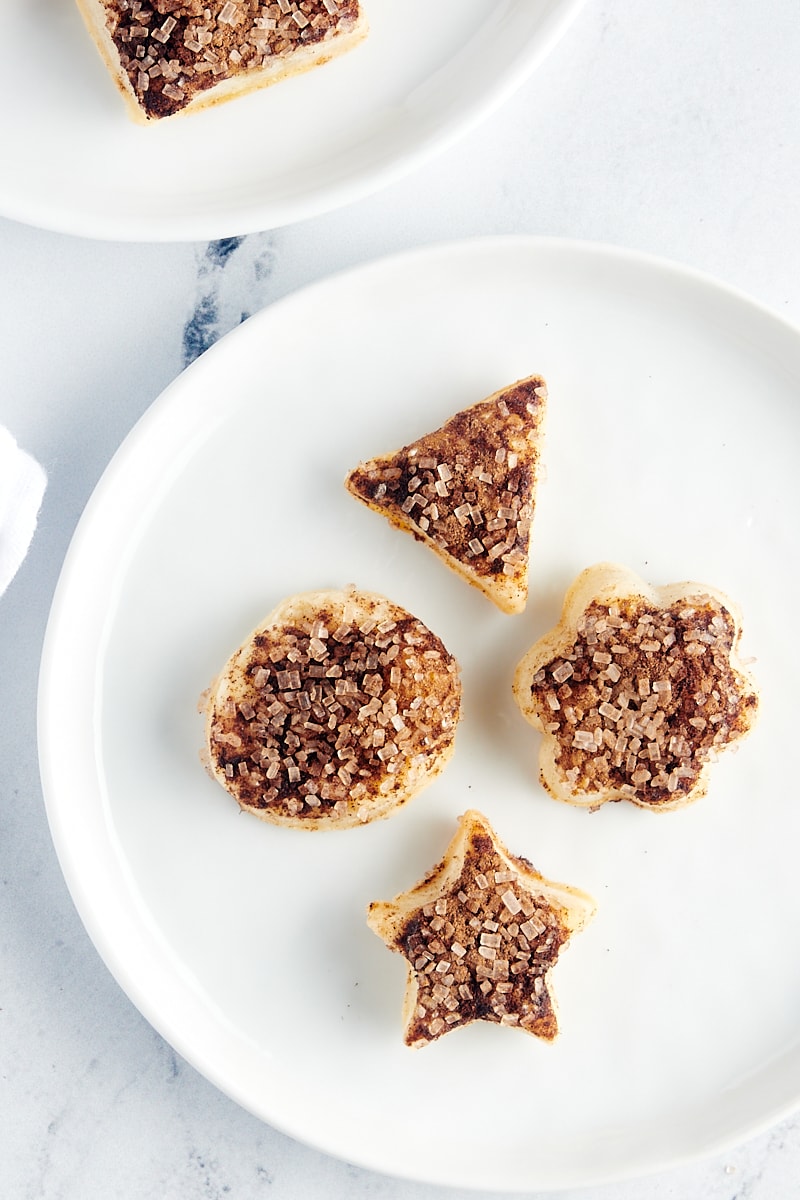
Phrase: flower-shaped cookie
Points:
(637, 690)
(481, 934)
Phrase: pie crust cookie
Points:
(173, 56)
(637, 690)
(481, 934)
(467, 490)
(335, 711)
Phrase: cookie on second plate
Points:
(175, 56)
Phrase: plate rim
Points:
(114, 961)
(263, 216)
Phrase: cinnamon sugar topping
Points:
(644, 697)
(173, 50)
(320, 716)
(483, 950)
(468, 488)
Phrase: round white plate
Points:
(73, 160)
(671, 447)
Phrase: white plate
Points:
(73, 161)
(671, 447)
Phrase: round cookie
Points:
(337, 709)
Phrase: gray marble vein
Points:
(233, 280)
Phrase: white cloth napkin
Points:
(22, 484)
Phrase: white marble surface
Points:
(670, 128)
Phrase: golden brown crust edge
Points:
(93, 15)
(370, 796)
(607, 583)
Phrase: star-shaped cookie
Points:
(637, 690)
(467, 490)
(481, 933)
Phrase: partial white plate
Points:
(672, 443)
(74, 162)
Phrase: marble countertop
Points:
(670, 129)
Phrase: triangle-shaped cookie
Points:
(467, 490)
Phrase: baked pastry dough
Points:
(481, 934)
(336, 710)
(637, 690)
(467, 490)
(172, 56)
